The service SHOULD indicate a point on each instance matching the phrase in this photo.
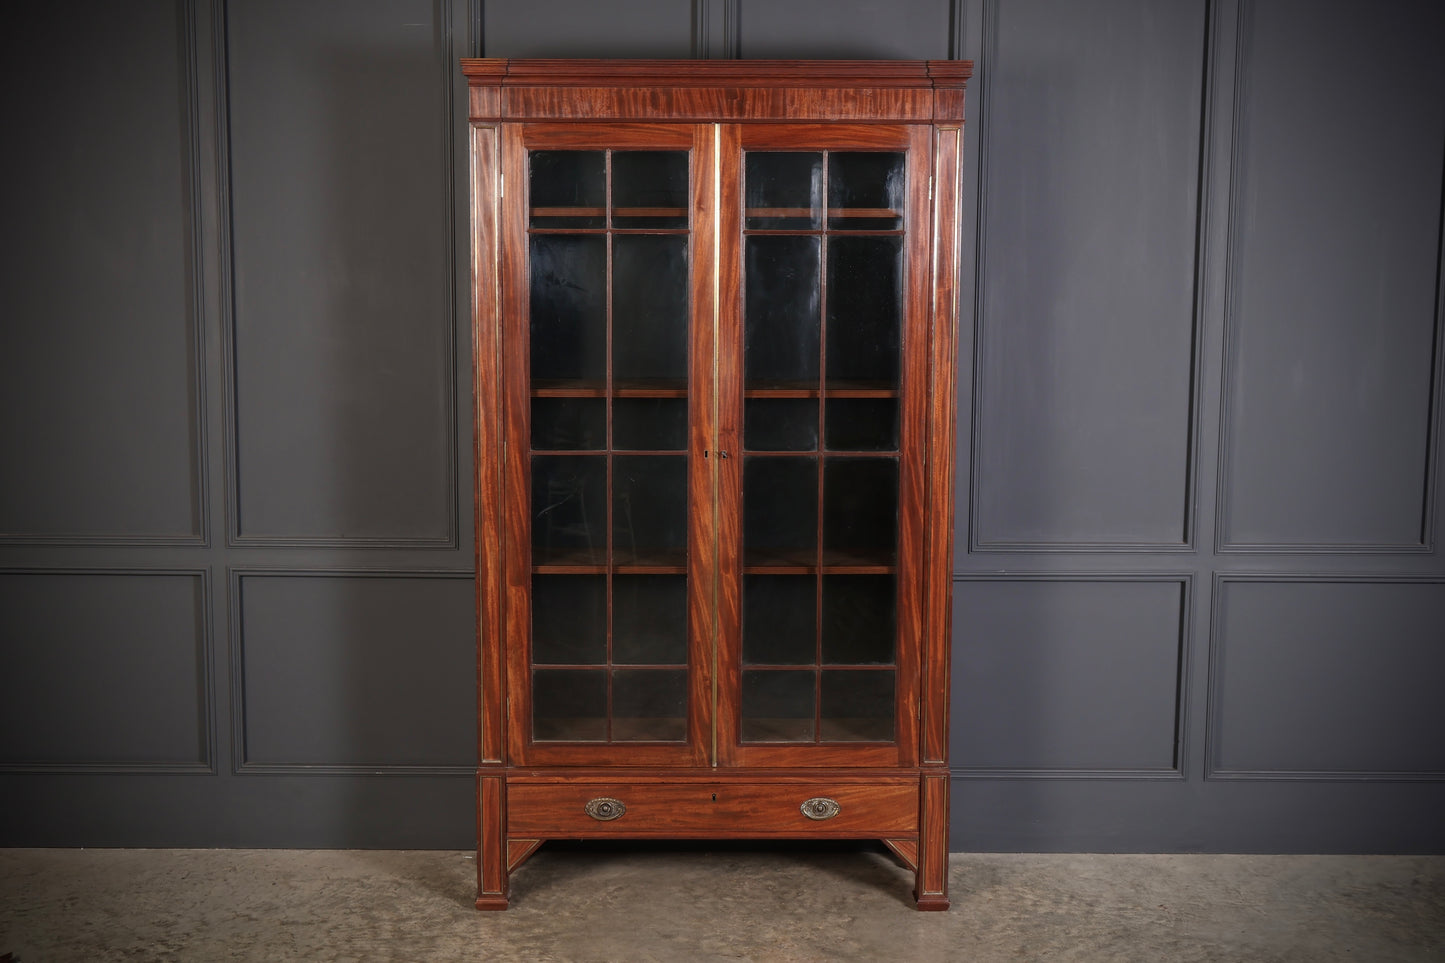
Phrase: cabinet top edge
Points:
(501, 71)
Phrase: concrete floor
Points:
(694, 903)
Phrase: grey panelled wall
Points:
(1199, 594)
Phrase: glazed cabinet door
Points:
(608, 377)
(823, 333)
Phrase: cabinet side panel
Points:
(941, 421)
(487, 340)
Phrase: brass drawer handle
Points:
(820, 807)
(604, 808)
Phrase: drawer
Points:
(882, 808)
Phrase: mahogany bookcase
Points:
(714, 323)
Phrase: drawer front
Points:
(715, 810)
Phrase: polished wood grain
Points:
(824, 136)
(906, 850)
(912, 444)
(516, 511)
(942, 394)
(486, 381)
(717, 809)
(705, 73)
(519, 849)
(491, 836)
(616, 136)
(728, 404)
(931, 880)
(717, 90)
(702, 467)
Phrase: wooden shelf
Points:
(586, 561)
(597, 388)
(616, 212)
(835, 389)
(839, 212)
(805, 562)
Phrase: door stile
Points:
(516, 597)
(913, 441)
(729, 406)
(702, 474)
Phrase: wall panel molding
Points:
(714, 29)
(443, 13)
(208, 716)
(1179, 734)
(197, 324)
(957, 29)
(1218, 646)
(1201, 184)
(814, 36)
(236, 576)
(1237, 175)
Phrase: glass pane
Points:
(865, 298)
(860, 619)
(778, 705)
(649, 309)
(781, 314)
(783, 190)
(860, 510)
(569, 619)
(780, 510)
(649, 424)
(862, 424)
(649, 705)
(569, 509)
(569, 705)
(649, 509)
(568, 308)
(865, 191)
(649, 619)
(560, 424)
(649, 188)
(780, 619)
(780, 424)
(568, 188)
(857, 706)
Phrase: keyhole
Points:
(714, 797)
